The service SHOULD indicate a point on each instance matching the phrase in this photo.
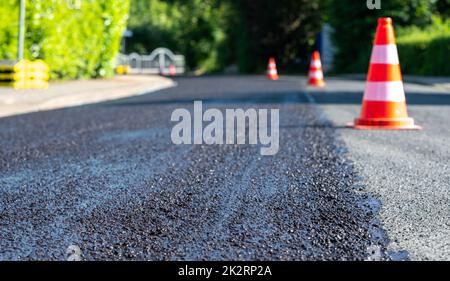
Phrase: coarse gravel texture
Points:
(407, 171)
(107, 179)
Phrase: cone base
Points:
(385, 124)
(273, 78)
(316, 84)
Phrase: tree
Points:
(284, 29)
(443, 8)
(195, 28)
(355, 25)
(215, 33)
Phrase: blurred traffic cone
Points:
(172, 70)
(384, 103)
(315, 71)
(272, 72)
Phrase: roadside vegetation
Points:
(422, 28)
(224, 35)
(218, 35)
(76, 41)
(425, 51)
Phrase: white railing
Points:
(158, 62)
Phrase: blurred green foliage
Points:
(284, 29)
(355, 26)
(194, 28)
(9, 27)
(425, 51)
(78, 39)
(213, 34)
(443, 8)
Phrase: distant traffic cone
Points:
(272, 72)
(384, 103)
(172, 70)
(315, 71)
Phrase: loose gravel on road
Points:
(408, 172)
(107, 179)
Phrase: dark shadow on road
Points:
(339, 98)
(315, 126)
(222, 99)
(356, 98)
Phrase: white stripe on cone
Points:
(272, 72)
(316, 64)
(384, 91)
(316, 74)
(385, 54)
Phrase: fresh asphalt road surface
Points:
(107, 179)
(409, 172)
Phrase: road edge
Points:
(53, 102)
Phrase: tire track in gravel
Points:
(231, 203)
(122, 192)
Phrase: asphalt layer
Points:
(107, 179)
(407, 171)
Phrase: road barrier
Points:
(122, 69)
(172, 70)
(24, 74)
(315, 71)
(384, 103)
(272, 72)
(160, 61)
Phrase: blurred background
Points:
(82, 38)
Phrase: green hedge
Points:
(76, 41)
(426, 51)
(355, 27)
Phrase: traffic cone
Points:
(272, 72)
(384, 103)
(172, 70)
(315, 71)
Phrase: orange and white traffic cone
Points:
(272, 72)
(315, 71)
(384, 103)
(172, 70)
